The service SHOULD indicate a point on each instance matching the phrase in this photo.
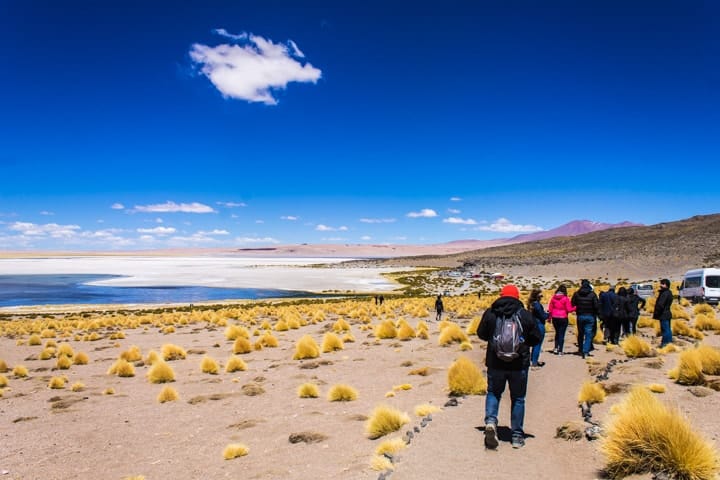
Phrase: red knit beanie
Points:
(510, 291)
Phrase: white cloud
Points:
(454, 211)
(324, 228)
(232, 204)
(503, 225)
(424, 213)
(377, 220)
(157, 230)
(46, 213)
(158, 220)
(117, 206)
(246, 240)
(259, 221)
(334, 239)
(455, 199)
(49, 229)
(291, 218)
(172, 207)
(399, 238)
(460, 221)
(366, 238)
(214, 232)
(252, 69)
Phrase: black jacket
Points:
(586, 302)
(662, 305)
(635, 303)
(506, 306)
(606, 303)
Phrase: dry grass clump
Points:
(473, 326)
(465, 378)
(706, 322)
(386, 330)
(465, 346)
(65, 349)
(452, 333)
(710, 359)
(81, 358)
(63, 362)
(269, 340)
(47, 353)
(646, 322)
(331, 342)
(281, 326)
(161, 372)
(342, 393)
(425, 409)
(682, 328)
(3, 366)
(34, 340)
(679, 312)
(591, 393)
(704, 309)
(308, 390)
(57, 383)
(3, 381)
(423, 371)
(341, 326)
(381, 463)
(167, 394)
(77, 387)
(646, 436)
(636, 347)
(391, 446)
(306, 348)
(109, 391)
(122, 368)
(152, 358)
(242, 345)
(235, 364)
(209, 365)
(405, 332)
(384, 420)
(235, 450)
(132, 354)
(232, 332)
(172, 352)
(657, 388)
(404, 386)
(689, 370)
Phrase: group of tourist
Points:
(515, 334)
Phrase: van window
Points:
(644, 287)
(712, 281)
(692, 282)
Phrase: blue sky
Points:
(148, 124)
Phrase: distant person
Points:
(438, 308)
(607, 300)
(558, 309)
(587, 307)
(635, 304)
(534, 305)
(663, 311)
(381, 299)
(622, 314)
(376, 299)
(503, 370)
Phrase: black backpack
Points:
(508, 337)
(618, 307)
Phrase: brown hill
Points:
(635, 253)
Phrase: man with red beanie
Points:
(510, 331)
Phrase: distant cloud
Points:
(232, 204)
(366, 238)
(246, 240)
(399, 238)
(324, 228)
(378, 220)
(291, 218)
(46, 213)
(460, 221)
(503, 225)
(253, 68)
(454, 211)
(52, 230)
(334, 239)
(172, 207)
(117, 206)
(214, 232)
(455, 199)
(259, 221)
(157, 230)
(424, 213)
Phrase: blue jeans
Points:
(560, 325)
(535, 356)
(585, 332)
(666, 332)
(517, 381)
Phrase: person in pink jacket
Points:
(558, 310)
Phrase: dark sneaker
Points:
(517, 442)
(491, 439)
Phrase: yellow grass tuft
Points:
(473, 326)
(465, 346)
(242, 345)
(348, 338)
(385, 330)
(306, 348)
(341, 326)
(423, 334)
(405, 332)
(380, 463)
(704, 309)
(172, 352)
(109, 391)
(281, 326)
(269, 340)
(669, 348)
(235, 450)
(65, 349)
(308, 390)
(591, 393)
(425, 409)
(682, 328)
(689, 370)
(404, 386)
(391, 446)
(452, 333)
(56, 383)
(63, 362)
(167, 394)
(235, 364)
(122, 368)
(422, 325)
(81, 358)
(34, 340)
(342, 393)
(3, 366)
(710, 359)
(645, 322)
(132, 354)
(384, 420)
(232, 332)
(465, 378)
(636, 347)
(3, 381)
(705, 322)
(331, 342)
(168, 329)
(47, 353)
(152, 358)
(209, 365)
(679, 312)
(657, 388)
(161, 372)
(646, 436)
(77, 387)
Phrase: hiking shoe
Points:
(518, 442)
(491, 439)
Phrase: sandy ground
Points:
(59, 434)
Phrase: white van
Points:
(643, 290)
(701, 285)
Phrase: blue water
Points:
(27, 290)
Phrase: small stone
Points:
(593, 433)
(417, 429)
(452, 402)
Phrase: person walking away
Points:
(502, 369)
(622, 312)
(558, 309)
(663, 313)
(607, 300)
(635, 304)
(438, 308)
(587, 307)
(535, 307)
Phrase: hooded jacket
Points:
(586, 302)
(505, 307)
(560, 306)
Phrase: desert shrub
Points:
(669, 348)
(405, 332)
(636, 347)
(381, 463)
(3, 381)
(167, 330)
(342, 393)
(232, 332)
(348, 338)
(679, 312)
(306, 348)
(242, 345)
(209, 365)
(132, 354)
(710, 359)
(56, 383)
(308, 390)
(465, 346)
(646, 322)
(331, 342)
(81, 358)
(645, 436)
(422, 334)
(341, 326)
(473, 326)
(465, 378)
(172, 352)
(77, 387)
(404, 386)
(423, 371)
(281, 326)
(235, 450)
(384, 420)
(269, 340)
(591, 393)
(657, 388)
(109, 391)
(235, 364)
(65, 349)
(122, 368)
(152, 357)
(689, 369)
(706, 322)
(391, 446)
(47, 333)
(34, 340)
(680, 327)
(63, 362)
(422, 325)
(452, 333)
(167, 394)
(704, 309)
(385, 330)
(425, 409)
(47, 353)
(161, 372)
(3, 366)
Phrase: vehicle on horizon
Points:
(643, 290)
(701, 285)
